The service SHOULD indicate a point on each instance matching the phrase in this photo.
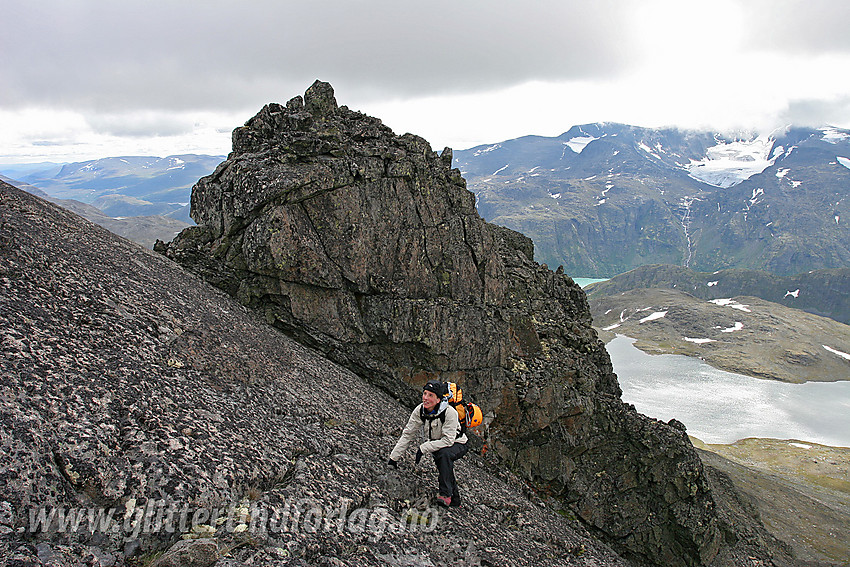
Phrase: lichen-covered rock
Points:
(201, 552)
(368, 247)
(140, 406)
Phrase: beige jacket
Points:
(437, 434)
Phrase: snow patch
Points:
(844, 161)
(648, 150)
(730, 163)
(795, 294)
(487, 149)
(782, 172)
(800, 445)
(555, 195)
(833, 135)
(727, 302)
(578, 143)
(737, 327)
(654, 316)
(610, 327)
(500, 169)
(699, 341)
(843, 355)
(712, 284)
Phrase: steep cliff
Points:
(142, 411)
(368, 247)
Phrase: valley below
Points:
(744, 335)
(800, 490)
(785, 447)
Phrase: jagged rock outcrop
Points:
(368, 247)
(136, 392)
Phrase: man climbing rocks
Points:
(443, 439)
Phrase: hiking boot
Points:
(455, 501)
(445, 501)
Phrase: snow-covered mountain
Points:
(604, 198)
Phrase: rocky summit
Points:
(367, 246)
(148, 419)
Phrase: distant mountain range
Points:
(602, 199)
(145, 229)
(122, 186)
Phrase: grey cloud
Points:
(811, 112)
(136, 125)
(110, 56)
(795, 26)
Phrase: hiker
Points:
(443, 439)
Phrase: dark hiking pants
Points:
(445, 460)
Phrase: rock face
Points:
(138, 404)
(368, 247)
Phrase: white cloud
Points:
(459, 74)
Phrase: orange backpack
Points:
(469, 414)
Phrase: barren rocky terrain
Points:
(132, 386)
(129, 382)
(801, 490)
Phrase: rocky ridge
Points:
(133, 386)
(367, 246)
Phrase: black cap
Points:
(435, 386)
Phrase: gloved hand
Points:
(418, 455)
(393, 463)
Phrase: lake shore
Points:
(744, 335)
(723, 407)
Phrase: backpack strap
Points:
(442, 417)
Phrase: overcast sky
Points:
(83, 79)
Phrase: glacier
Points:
(730, 163)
